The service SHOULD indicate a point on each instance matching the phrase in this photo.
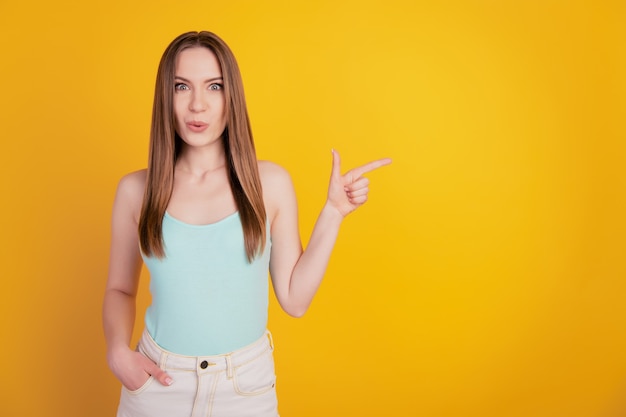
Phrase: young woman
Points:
(209, 220)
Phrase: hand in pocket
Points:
(134, 369)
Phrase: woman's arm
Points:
(118, 312)
(297, 274)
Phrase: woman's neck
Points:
(200, 161)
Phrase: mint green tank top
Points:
(207, 299)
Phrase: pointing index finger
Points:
(358, 171)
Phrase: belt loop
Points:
(163, 360)
(229, 367)
(269, 337)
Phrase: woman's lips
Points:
(197, 126)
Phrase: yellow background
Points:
(485, 277)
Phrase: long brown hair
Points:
(165, 145)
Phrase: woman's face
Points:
(199, 98)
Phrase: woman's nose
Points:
(197, 103)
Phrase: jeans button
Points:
(204, 364)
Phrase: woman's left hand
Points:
(349, 191)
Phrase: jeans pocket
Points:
(141, 388)
(255, 377)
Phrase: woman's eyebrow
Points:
(206, 81)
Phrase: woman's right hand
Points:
(133, 369)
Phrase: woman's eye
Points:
(215, 87)
(180, 87)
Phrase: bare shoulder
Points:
(277, 186)
(130, 190)
(133, 183)
(271, 172)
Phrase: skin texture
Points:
(202, 195)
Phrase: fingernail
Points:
(169, 381)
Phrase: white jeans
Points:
(240, 383)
